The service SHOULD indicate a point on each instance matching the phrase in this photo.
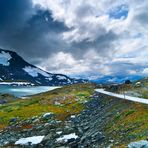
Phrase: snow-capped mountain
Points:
(14, 68)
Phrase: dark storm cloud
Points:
(40, 37)
(29, 31)
(14, 13)
(101, 45)
(32, 32)
(40, 34)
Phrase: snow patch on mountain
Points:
(61, 77)
(4, 58)
(50, 78)
(34, 72)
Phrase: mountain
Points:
(13, 68)
(116, 79)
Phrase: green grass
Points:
(70, 97)
(128, 121)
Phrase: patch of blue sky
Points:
(119, 12)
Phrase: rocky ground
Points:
(99, 125)
(87, 126)
(6, 98)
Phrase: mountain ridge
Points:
(14, 68)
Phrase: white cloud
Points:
(64, 63)
(132, 72)
(89, 21)
(145, 71)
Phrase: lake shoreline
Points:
(25, 91)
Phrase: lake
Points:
(22, 91)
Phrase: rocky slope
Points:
(139, 88)
(14, 68)
(73, 116)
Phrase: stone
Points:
(138, 144)
(13, 120)
(48, 137)
(47, 115)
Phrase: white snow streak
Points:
(4, 58)
(32, 140)
(65, 138)
(35, 71)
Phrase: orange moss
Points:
(2, 126)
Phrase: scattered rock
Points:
(138, 144)
(13, 120)
(47, 115)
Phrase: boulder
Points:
(47, 116)
(138, 144)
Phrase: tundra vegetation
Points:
(120, 121)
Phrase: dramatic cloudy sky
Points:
(78, 37)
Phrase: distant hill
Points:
(116, 79)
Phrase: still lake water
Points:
(22, 91)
